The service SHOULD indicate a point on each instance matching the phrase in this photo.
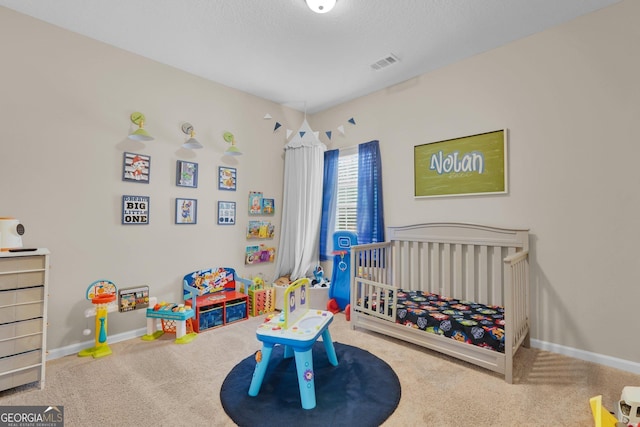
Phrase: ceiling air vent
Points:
(388, 60)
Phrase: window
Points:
(347, 195)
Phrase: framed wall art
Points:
(186, 211)
(226, 213)
(255, 203)
(187, 174)
(136, 167)
(130, 299)
(135, 210)
(268, 207)
(227, 178)
(470, 165)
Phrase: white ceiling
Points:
(282, 51)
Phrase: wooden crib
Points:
(466, 262)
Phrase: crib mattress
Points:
(461, 320)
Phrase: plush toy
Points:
(283, 281)
(319, 281)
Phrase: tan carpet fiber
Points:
(160, 383)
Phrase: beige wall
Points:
(64, 107)
(570, 99)
(568, 96)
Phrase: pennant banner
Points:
(328, 133)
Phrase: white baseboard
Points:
(613, 362)
(76, 348)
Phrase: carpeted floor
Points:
(361, 391)
(161, 383)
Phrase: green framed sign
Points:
(471, 165)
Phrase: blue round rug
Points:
(361, 391)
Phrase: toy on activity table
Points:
(340, 290)
(627, 410)
(177, 318)
(102, 294)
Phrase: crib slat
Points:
(423, 253)
(496, 277)
(445, 278)
(428, 273)
(397, 263)
(434, 286)
(457, 275)
(470, 281)
(414, 264)
(406, 268)
(483, 284)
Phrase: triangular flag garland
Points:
(328, 133)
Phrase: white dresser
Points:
(24, 280)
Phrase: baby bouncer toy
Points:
(339, 292)
(102, 294)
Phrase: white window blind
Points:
(347, 197)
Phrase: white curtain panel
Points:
(298, 253)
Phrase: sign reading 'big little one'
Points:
(475, 164)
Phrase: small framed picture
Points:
(135, 210)
(227, 178)
(186, 211)
(187, 174)
(268, 207)
(255, 203)
(226, 213)
(136, 167)
(133, 298)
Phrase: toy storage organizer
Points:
(218, 310)
(217, 302)
(24, 285)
